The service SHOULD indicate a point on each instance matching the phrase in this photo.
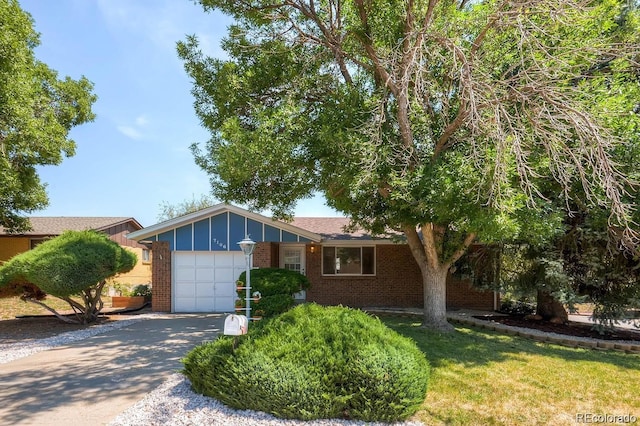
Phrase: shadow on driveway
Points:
(93, 380)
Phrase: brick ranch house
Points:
(196, 262)
(43, 228)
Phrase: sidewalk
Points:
(90, 382)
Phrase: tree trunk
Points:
(549, 308)
(435, 299)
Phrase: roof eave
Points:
(210, 211)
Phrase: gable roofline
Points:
(177, 222)
(122, 222)
(56, 225)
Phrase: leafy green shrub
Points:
(314, 362)
(516, 307)
(270, 281)
(142, 290)
(276, 286)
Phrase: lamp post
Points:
(248, 245)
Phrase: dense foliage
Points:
(276, 287)
(453, 122)
(314, 362)
(37, 111)
(76, 263)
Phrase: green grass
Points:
(11, 307)
(486, 378)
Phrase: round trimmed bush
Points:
(314, 362)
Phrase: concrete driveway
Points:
(89, 382)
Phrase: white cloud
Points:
(142, 121)
(136, 131)
(130, 132)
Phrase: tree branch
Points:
(470, 238)
(53, 311)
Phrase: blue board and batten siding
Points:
(222, 233)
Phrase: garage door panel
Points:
(205, 274)
(226, 289)
(182, 304)
(225, 274)
(185, 290)
(205, 304)
(185, 274)
(224, 304)
(206, 289)
(203, 259)
(181, 260)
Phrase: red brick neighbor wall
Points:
(161, 277)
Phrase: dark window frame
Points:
(337, 258)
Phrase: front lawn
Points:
(11, 307)
(482, 377)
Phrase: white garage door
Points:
(205, 281)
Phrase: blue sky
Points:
(135, 155)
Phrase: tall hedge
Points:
(314, 362)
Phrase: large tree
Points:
(584, 260)
(73, 267)
(37, 111)
(450, 121)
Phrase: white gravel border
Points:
(175, 404)
(12, 351)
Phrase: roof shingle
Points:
(57, 225)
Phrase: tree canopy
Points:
(37, 111)
(451, 121)
(76, 263)
(169, 211)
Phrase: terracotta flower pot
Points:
(127, 301)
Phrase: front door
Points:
(292, 258)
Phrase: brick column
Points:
(265, 255)
(161, 277)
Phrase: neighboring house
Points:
(43, 228)
(197, 261)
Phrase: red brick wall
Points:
(460, 294)
(265, 255)
(397, 283)
(161, 277)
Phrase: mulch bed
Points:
(571, 328)
(31, 328)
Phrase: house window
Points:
(348, 260)
(36, 242)
(146, 256)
